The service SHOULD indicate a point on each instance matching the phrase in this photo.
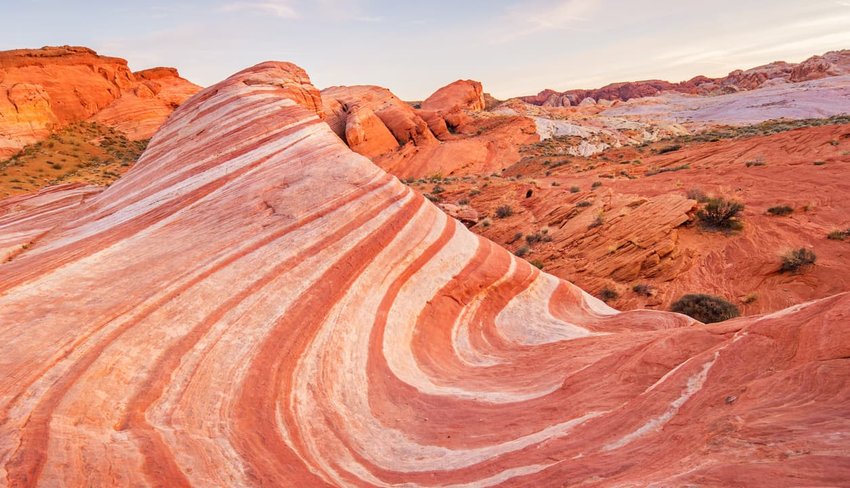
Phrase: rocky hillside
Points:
(834, 63)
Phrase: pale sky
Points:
(413, 47)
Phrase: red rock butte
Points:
(254, 304)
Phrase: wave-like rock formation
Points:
(254, 304)
(42, 90)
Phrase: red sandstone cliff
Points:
(42, 90)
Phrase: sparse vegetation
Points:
(537, 264)
(597, 222)
(596, 184)
(708, 309)
(522, 251)
(668, 169)
(755, 162)
(669, 149)
(697, 194)
(437, 190)
(583, 204)
(608, 294)
(642, 289)
(797, 259)
(504, 211)
(720, 214)
(819, 163)
(838, 235)
(780, 210)
(574, 189)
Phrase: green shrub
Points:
(720, 214)
(797, 259)
(707, 309)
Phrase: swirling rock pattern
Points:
(256, 305)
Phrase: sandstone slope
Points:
(43, 90)
(254, 304)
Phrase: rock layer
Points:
(42, 90)
(256, 305)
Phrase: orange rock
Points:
(367, 134)
(44, 89)
(463, 94)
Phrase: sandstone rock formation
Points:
(463, 94)
(411, 142)
(42, 90)
(256, 305)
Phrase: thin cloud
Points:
(276, 8)
(527, 19)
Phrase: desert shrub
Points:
(540, 236)
(819, 163)
(574, 189)
(719, 213)
(838, 235)
(473, 193)
(583, 204)
(537, 263)
(755, 162)
(463, 201)
(642, 289)
(750, 298)
(668, 169)
(797, 259)
(780, 210)
(707, 309)
(596, 184)
(437, 190)
(522, 251)
(555, 183)
(607, 294)
(486, 222)
(697, 194)
(515, 238)
(504, 211)
(597, 222)
(668, 149)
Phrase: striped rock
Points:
(254, 304)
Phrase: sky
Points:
(514, 47)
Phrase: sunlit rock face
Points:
(254, 304)
(42, 90)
